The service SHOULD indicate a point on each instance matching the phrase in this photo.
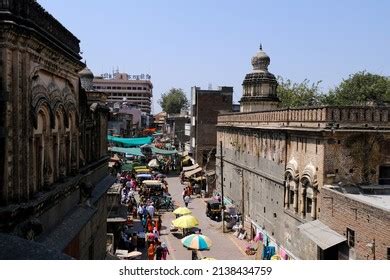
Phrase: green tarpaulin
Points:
(130, 142)
(162, 152)
(127, 167)
(130, 151)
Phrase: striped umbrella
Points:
(197, 242)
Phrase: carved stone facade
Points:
(43, 169)
(285, 157)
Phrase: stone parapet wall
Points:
(316, 117)
(35, 15)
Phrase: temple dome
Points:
(86, 73)
(86, 78)
(261, 61)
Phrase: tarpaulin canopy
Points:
(131, 151)
(115, 158)
(130, 142)
(188, 174)
(200, 178)
(162, 152)
(192, 167)
(127, 167)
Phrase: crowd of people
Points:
(147, 212)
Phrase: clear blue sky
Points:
(186, 43)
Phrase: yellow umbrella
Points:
(182, 211)
(186, 221)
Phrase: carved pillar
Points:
(47, 167)
(287, 190)
(62, 158)
(295, 202)
(73, 154)
(314, 205)
(303, 202)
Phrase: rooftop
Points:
(381, 201)
(30, 13)
(324, 117)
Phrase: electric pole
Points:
(222, 196)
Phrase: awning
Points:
(188, 174)
(321, 234)
(130, 151)
(188, 168)
(130, 142)
(115, 158)
(200, 178)
(162, 151)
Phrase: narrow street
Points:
(225, 245)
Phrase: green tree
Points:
(361, 88)
(298, 94)
(173, 101)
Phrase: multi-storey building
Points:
(53, 151)
(312, 181)
(176, 128)
(205, 107)
(121, 87)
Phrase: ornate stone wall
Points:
(43, 183)
(286, 157)
(41, 116)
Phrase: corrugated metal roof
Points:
(321, 234)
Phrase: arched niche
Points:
(291, 185)
(309, 190)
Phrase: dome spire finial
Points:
(261, 47)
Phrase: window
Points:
(291, 197)
(309, 205)
(350, 237)
(384, 175)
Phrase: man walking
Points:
(186, 200)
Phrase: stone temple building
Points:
(313, 181)
(53, 162)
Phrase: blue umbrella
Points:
(197, 242)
